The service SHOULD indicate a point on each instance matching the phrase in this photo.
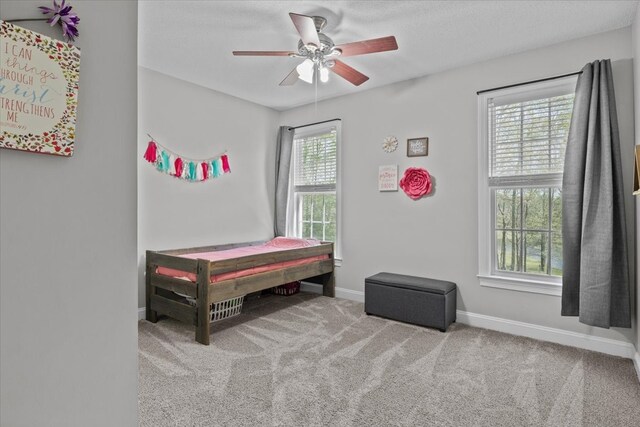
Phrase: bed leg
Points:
(151, 315)
(202, 303)
(202, 331)
(329, 285)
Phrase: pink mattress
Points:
(274, 245)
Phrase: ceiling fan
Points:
(320, 53)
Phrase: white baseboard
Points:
(636, 363)
(544, 333)
(350, 294)
(142, 313)
(340, 292)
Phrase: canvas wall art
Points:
(388, 178)
(38, 91)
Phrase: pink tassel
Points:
(205, 170)
(152, 152)
(179, 166)
(225, 163)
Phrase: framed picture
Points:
(417, 147)
(388, 178)
(40, 117)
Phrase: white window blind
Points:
(315, 162)
(527, 139)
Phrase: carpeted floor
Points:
(308, 360)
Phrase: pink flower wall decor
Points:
(416, 182)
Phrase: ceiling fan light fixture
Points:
(305, 70)
(324, 74)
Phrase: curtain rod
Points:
(529, 82)
(316, 123)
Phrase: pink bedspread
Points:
(274, 245)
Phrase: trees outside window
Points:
(528, 227)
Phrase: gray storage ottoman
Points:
(418, 300)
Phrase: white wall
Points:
(198, 123)
(68, 330)
(437, 236)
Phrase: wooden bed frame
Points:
(160, 298)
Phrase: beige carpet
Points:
(309, 360)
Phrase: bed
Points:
(208, 275)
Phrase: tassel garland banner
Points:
(170, 163)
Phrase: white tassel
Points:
(172, 165)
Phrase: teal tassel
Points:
(215, 167)
(162, 162)
(165, 161)
(192, 171)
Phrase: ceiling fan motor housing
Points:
(326, 48)
(326, 45)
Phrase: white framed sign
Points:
(388, 178)
(38, 91)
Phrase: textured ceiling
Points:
(193, 40)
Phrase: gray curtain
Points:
(595, 268)
(284, 147)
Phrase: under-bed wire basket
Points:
(223, 309)
(287, 289)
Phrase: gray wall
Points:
(636, 80)
(437, 236)
(68, 335)
(198, 123)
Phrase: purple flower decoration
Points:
(63, 15)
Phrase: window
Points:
(315, 183)
(523, 136)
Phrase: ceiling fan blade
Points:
(262, 53)
(291, 78)
(363, 47)
(306, 28)
(348, 73)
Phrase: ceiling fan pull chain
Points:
(316, 78)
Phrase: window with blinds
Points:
(315, 161)
(528, 139)
(315, 175)
(527, 128)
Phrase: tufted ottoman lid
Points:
(423, 284)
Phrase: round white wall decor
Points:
(390, 144)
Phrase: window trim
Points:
(291, 213)
(487, 274)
